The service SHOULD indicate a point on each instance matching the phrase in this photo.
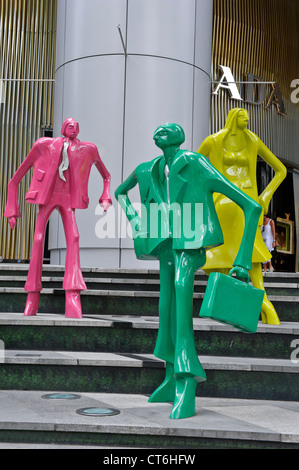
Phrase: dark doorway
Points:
(282, 205)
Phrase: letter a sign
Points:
(227, 82)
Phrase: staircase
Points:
(107, 359)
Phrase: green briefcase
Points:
(228, 300)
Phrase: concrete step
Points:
(16, 269)
(57, 271)
(125, 291)
(227, 377)
(126, 302)
(123, 284)
(138, 284)
(137, 334)
(107, 359)
(27, 417)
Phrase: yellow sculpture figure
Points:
(233, 151)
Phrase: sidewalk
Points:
(265, 423)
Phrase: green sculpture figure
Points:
(178, 222)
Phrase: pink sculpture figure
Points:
(61, 168)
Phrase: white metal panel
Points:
(91, 27)
(58, 101)
(158, 91)
(129, 261)
(93, 257)
(164, 28)
(203, 34)
(201, 109)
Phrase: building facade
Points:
(257, 43)
(122, 68)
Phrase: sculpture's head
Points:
(70, 128)
(169, 135)
(237, 118)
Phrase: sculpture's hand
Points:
(241, 273)
(12, 222)
(105, 203)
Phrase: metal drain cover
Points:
(98, 411)
(61, 396)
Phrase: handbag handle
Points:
(241, 273)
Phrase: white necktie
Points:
(166, 172)
(65, 161)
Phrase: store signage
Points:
(254, 90)
(295, 93)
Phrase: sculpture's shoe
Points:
(166, 391)
(73, 307)
(32, 304)
(184, 403)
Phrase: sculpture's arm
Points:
(280, 174)
(12, 209)
(252, 211)
(105, 199)
(121, 195)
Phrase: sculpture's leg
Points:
(184, 404)
(73, 307)
(164, 348)
(268, 313)
(187, 368)
(34, 279)
(32, 304)
(73, 280)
